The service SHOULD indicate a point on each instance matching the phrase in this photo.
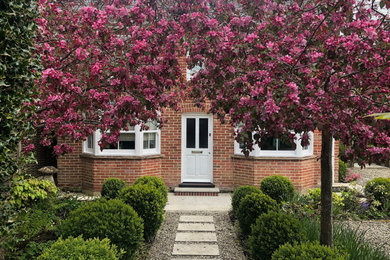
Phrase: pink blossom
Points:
(287, 59)
(250, 37)
(371, 33)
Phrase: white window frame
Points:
(190, 73)
(298, 152)
(86, 149)
(137, 151)
(155, 150)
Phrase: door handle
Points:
(196, 151)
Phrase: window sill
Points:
(274, 158)
(122, 157)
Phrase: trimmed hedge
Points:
(272, 230)
(156, 182)
(278, 187)
(112, 187)
(241, 193)
(343, 171)
(308, 250)
(78, 248)
(379, 189)
(252, 207)
(147, 201)
(111, 219)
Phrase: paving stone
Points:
(195, 258)
(195, 250)
(196, 218)
(196, 237)
(196, 227)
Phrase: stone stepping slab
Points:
(196, 237)
(196, 227)
(196, 218)
(195, 250)
(202, 258)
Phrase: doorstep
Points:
(179, 191)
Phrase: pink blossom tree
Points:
(106, 66)
(277, 67)
(272, 67)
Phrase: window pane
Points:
(150, 140)
(152, 125)
(269, 144)
(285, 144)
(90, 142)
(203, 133)
(190, 133)
(127, 141)
(111, 147)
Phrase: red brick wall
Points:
(70, 176)
(243, 171)
(97, 169)
(303, 172)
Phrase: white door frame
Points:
(184, 117)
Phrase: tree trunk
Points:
(326, 237)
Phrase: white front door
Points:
(197, 148)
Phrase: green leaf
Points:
(382, 116)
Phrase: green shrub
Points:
(112, 187)
(30, 225)
(156, 182)
(27, 191)
(241, 193)
(278, 187)
(251, 207)
(308, 250)
(272, 230)
(351, 201)
(314, 198)
(379, 189)
(63, 206)
(79, 249)
(300, 207)
(31, 250)
(33, 222)
(106, 218)
(147, 201)
(343, 171)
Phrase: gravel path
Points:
(228, 244)
(376, 232)
(370, 172)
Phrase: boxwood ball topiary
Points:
(156, 182)
(272, 230)
(147, 202)
(241, 193)
(103, 218)
(78, 248)
(308, 250)
(278, 187)
(379, 188)
(252, 207)
(112, 187)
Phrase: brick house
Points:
(192, 147)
